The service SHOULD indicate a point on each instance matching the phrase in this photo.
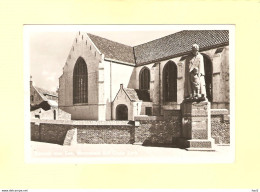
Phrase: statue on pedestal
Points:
(194, 86)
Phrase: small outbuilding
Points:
(129, 103)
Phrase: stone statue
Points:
(194, 86)
(195, 82)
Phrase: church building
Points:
(107, 80)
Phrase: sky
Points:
(48, 51)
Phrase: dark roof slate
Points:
(113, 50)
(178, 44)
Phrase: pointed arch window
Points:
(170, 82)
(80, 82)
(144, 79)
(208, 76)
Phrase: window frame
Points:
(144, 79)
(80, 82)
(170, 73)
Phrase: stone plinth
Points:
(196, 126)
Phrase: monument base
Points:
(197, 144)
(196, 127)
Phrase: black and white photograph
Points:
(129, 93)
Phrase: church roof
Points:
(167, 47)
(113, 50)
(178, 44)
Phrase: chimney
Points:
(121, 86)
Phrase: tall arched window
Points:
(170, 82)
(80, 82)
(208, 76)
(144, 79)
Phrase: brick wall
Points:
(106, 134)
(91, 132)
(220, 126)
(49, 132)
(147, 130)
(155, 130)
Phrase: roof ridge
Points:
(45, 90)
(174, 34)
(109, 40)
(158, 38)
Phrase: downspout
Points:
(159, 88)
(111, 103)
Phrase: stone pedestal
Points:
(196, 127)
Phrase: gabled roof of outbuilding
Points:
(178, 44)
(132, 94)
(136, 95)
(113, 50)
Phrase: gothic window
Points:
(208, 76)
(170, 82)
(80, 82)
(144, 79)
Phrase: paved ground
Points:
(124, 153)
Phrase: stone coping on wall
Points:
(219, 112)
(148, 118)
(224, 113)
(81, 122)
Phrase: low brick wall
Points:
(91, 132)
(220, 126)
(49, 132)
(147, 130)
(107, 134)
(154, 130)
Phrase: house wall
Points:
(49, 114)
(83, 47)
(37, 99)
(143, 106)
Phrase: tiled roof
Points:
(44, 92)
(113, 50)
(178, 44)
(137, 95)
(132, 94)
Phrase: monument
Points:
(195, 108)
